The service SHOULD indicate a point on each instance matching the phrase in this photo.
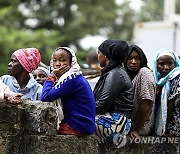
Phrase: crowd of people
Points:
(128, 99)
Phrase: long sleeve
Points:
(51, 92)
(112, 86)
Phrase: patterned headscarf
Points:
(29, 58)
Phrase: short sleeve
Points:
(147, 84)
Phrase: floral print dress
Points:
(174, 126)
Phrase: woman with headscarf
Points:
(113, 94)
(20, 79)
(167, 75)
(144, 92)
(67, 85)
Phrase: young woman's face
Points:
(133, 62)
(102, 59)
(165, 64)
(39, 76)
(14, 67)
(60, 58)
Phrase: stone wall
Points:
(30, 128)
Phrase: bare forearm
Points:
(143, 115)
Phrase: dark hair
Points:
(142, 57)
(70, 55)
(114, 50)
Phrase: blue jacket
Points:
(77, 99)
(32, 90)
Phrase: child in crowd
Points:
(40, 74)
(144, 89)
(167, 75)
(67, 84)
(20, 79)
(113, 94)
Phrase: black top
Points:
(113, 93)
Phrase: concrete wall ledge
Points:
(30, 128)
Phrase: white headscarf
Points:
(167, 52)
(75, 68)
(46, 71)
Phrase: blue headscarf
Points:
(160, 124)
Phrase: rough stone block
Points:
(30, 128)
(11, 118)
(40, 117)
(65, 144)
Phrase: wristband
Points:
(51, 78)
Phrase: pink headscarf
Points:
(29, 58)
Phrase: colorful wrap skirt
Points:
(112, 128)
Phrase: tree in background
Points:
(152, 10)
(47, 24)
(177, 6)
(122, 26)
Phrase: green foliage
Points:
(177, 6)
(74, 19)
(152, 11)
(47, 24)
(81, 55)
(124, 23)
(14, 39)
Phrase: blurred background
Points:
(84, 24)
